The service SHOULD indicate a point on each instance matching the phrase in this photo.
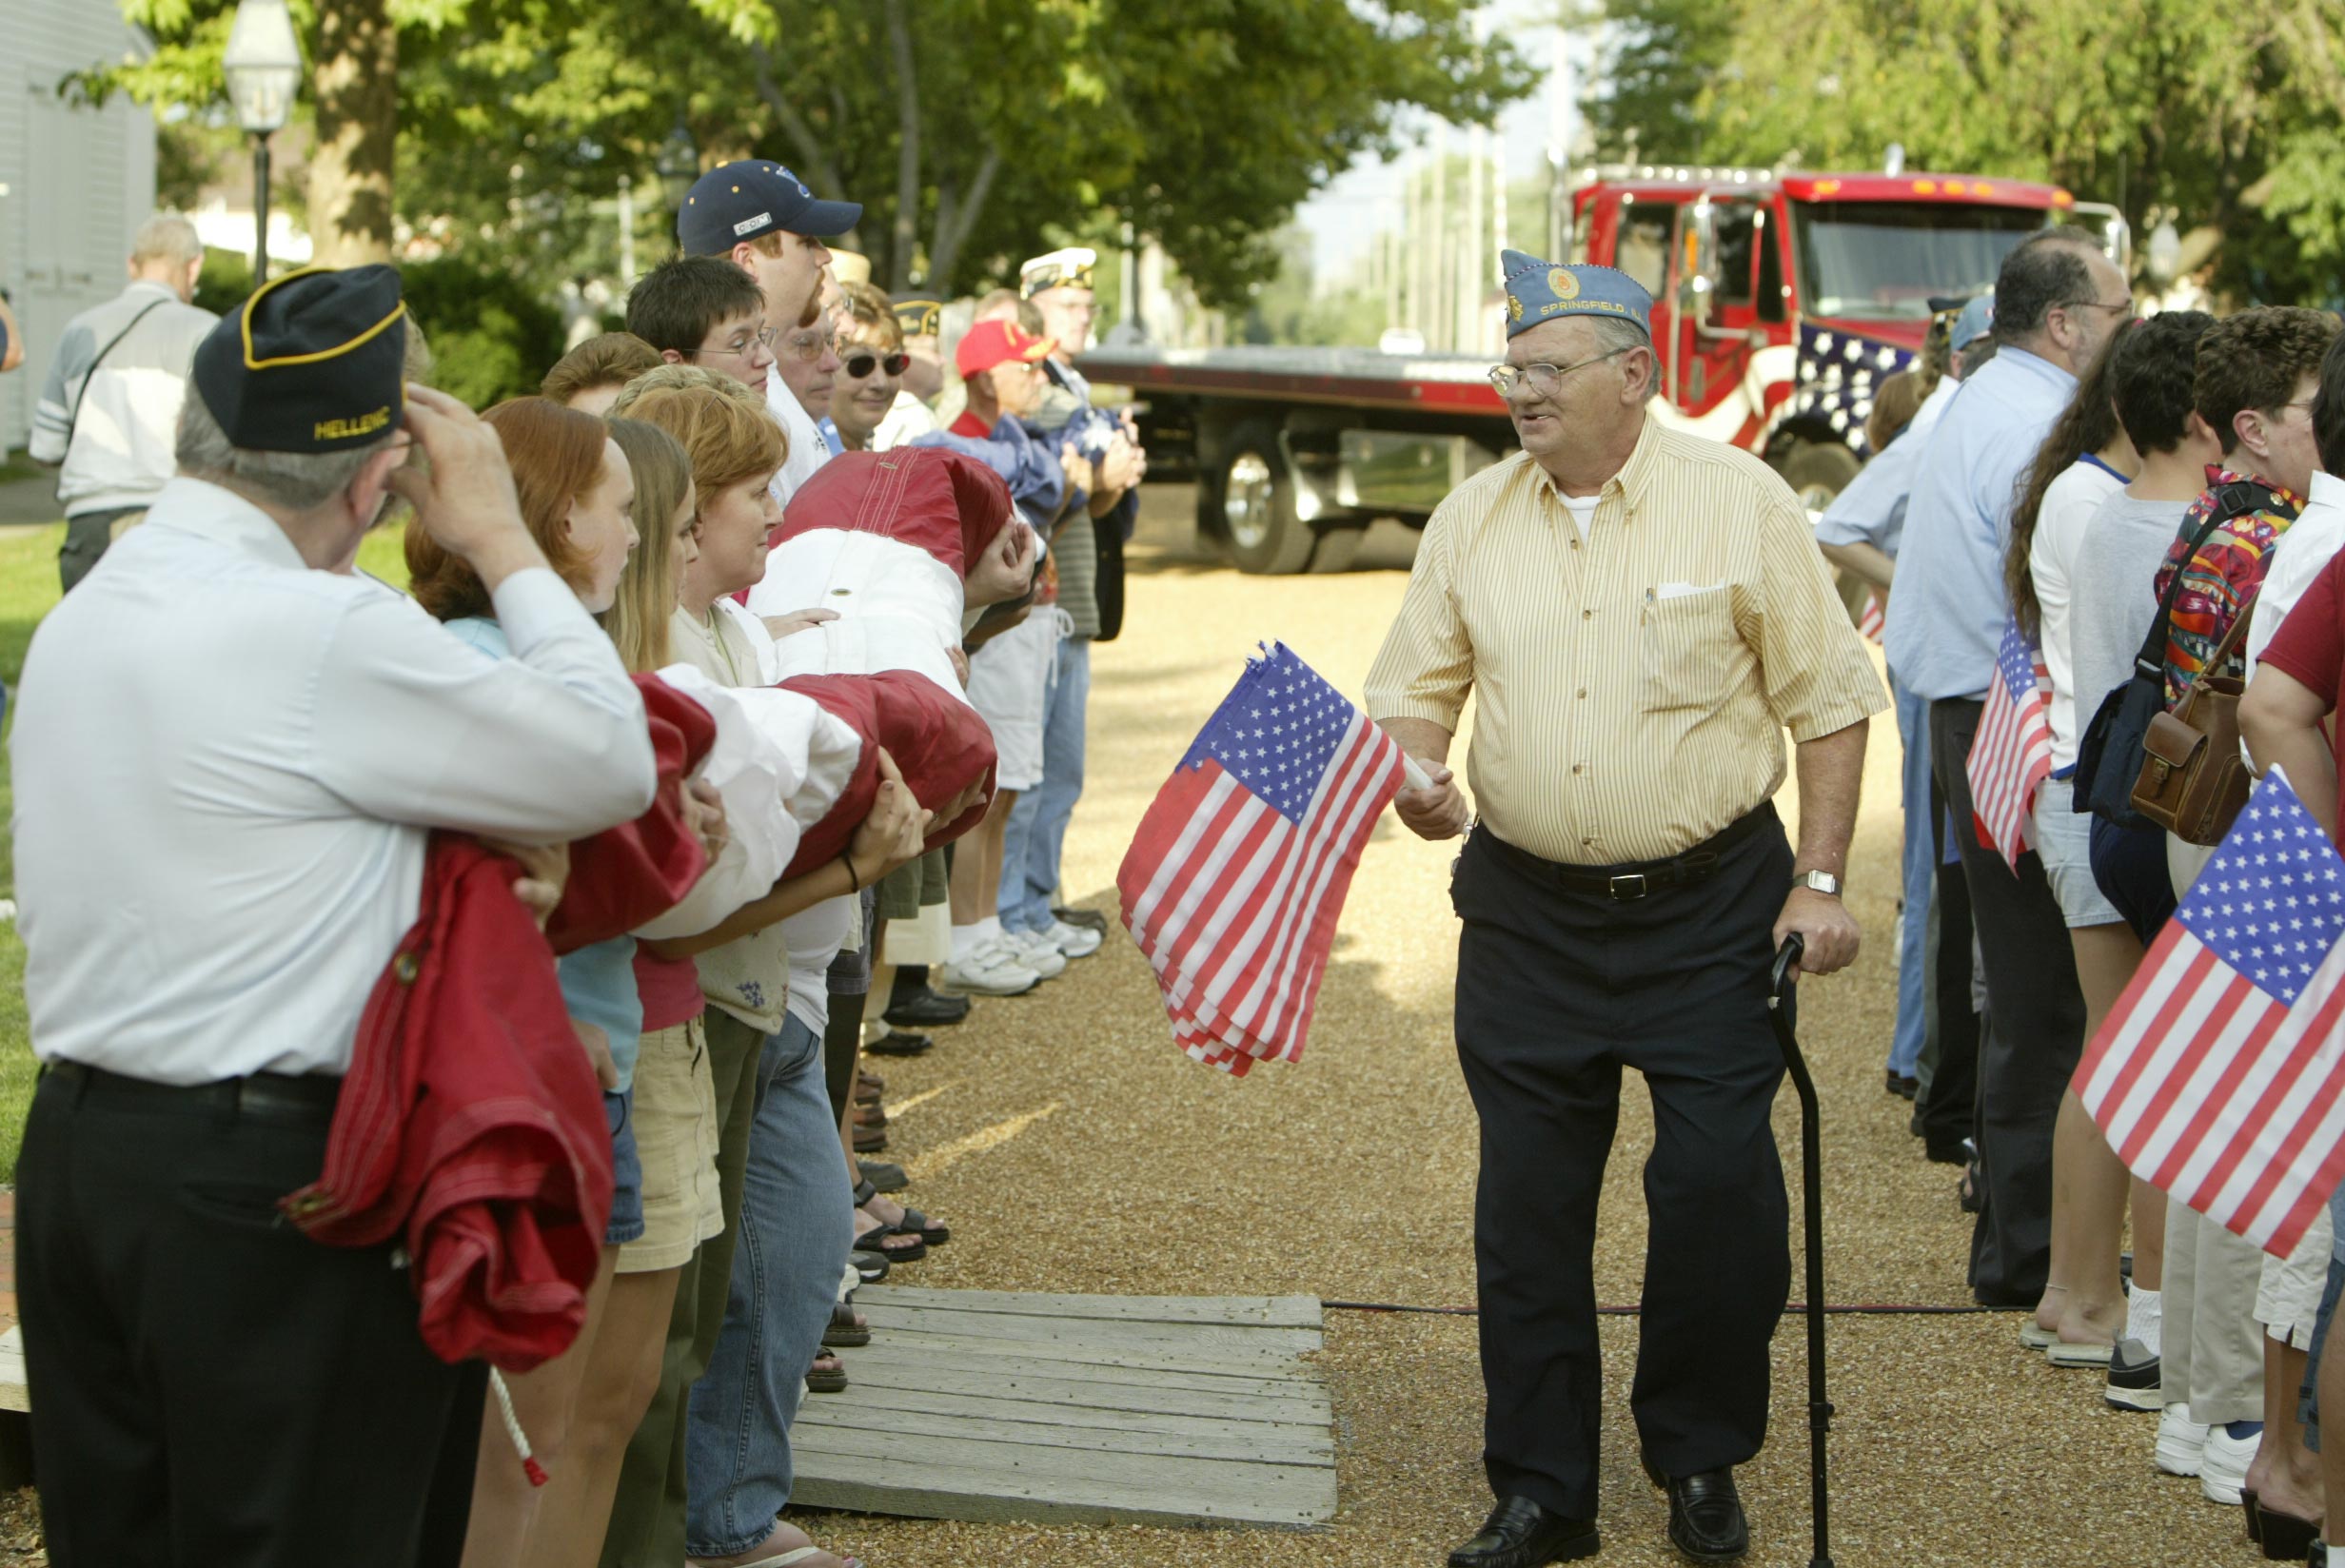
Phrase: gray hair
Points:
(295, 480)
(165, 237)
(1617, 337)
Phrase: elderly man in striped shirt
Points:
(1641, 614)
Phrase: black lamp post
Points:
(678, 164)
(263, 68)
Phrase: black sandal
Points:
(821, 1381)
(871, 1268)
(845, 1331)
(913, 1224)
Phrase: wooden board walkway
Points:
(986, 1405)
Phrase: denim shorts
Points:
(627, 1193)
(2063, 842)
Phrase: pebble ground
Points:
(1071, 1148)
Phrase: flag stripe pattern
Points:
(2219, 1075)
(1872, 619)
(1234, 880)
(2011, 756)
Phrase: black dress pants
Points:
(1557, 991)
(1949, 1111)
(209, 1386)
(2034, 1035)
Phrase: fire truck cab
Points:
(1780, 301)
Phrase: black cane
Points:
(1779, 985)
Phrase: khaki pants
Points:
(2212, 1354)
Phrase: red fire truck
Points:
(1780, 301)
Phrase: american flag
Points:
(2219, 1076)
(2012, 752)
(1233, 882)
(1870, 620)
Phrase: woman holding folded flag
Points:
(1639, 613)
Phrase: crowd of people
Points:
(2151, 503)
(267, 885)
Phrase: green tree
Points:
(1656, 57)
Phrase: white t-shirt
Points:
(2069, 503)
(907, 417)
(808, 450)
(2296, 560)
(1582, 509)
(814, 937)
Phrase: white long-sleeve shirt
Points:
(225, 768)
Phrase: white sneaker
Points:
(2222, 1468)
(2181, 1441)
(1071, 941)
(1038, 953)
(990, 969)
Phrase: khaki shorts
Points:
(2288, 1291)
(676, 1137)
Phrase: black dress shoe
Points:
(1903, 1085)
(1520, 1533)
(925, 1009)
(901, 1043)
(1706, 1514)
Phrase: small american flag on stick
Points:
(1872, 619)
(2011, 756)
(1234, 881)
(2219, 1075)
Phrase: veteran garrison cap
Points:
(1541, 291)
(311, 362)
(918, 316)
(1068, 268)
(749, 196)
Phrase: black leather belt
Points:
(309, 1096)
(1634, 879)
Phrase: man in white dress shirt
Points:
(227, 758)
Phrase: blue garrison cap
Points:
(1974, 323)
(1539, 291)
(749, 196)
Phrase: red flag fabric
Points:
(623, 876)
(471, 1124)
(946, 504)
(939, 742)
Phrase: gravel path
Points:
(1074, 1148)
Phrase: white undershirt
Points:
(1582, 509)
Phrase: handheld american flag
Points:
(1234, 881)
(2219, 1076)
(2011, 754)
(1872, 620)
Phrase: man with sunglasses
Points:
(1639, 615)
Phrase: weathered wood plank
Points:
(1254, 1311)
(16, 1388)
(1004, 1480)
(1214, 1340)
(1205, 1361)
(1262, 1445)
(863, 1393)
(1166, 1393)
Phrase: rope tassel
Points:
(530, 1467)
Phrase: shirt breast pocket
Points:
(1685, 650)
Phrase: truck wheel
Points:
(1256, 496)
(1817, 473)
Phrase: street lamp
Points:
(263, 68)
(678, 164)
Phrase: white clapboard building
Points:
(75, 181)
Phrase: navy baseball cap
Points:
(739, 201)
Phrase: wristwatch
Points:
(1823, 882)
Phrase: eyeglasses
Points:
(741, 344)
(1543, 379)
(863, 361)
(806, 344)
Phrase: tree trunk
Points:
(355, 82)
(907, 150)
(957, 220)
(823, 173)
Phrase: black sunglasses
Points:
(860, 363)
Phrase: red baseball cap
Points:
(990, 344)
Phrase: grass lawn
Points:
(27, 589)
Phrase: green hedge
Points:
(492, 336)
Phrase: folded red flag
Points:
(939, 742)
(623, 876)
(939, 501)
(471, 1124)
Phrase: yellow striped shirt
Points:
(1632, 685)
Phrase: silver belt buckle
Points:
(1627, 887)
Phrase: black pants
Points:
(87, 538)
(1557, 991)
(2034, 1035)
(1949, 1111)
(208, 1385)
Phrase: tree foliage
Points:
(2226, 117)
(971, 129)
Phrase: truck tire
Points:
(1255, 494)
(1817, 473)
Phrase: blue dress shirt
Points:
(1946, 617)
